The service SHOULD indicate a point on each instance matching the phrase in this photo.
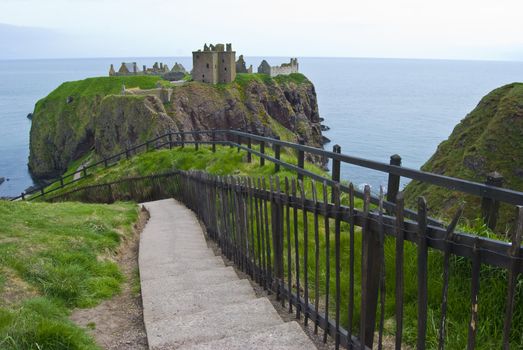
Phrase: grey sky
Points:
(463, 29)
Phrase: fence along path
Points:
(192, 301)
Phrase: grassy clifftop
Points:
(82, 115)
(488, 139)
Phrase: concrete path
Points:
(191, 300)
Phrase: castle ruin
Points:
(131, 68)
(284, 69)
(215, 64)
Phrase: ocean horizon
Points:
(375, 107)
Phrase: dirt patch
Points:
(15, 289)
(118, 323)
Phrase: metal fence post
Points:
(393, 184)
(276, 155)
(262, 151)
(84, 170)
(182, 140)
(370, 272)
(277, 236)
(127, 153)
(249, 154)
(61, 182)
(238, 141)
(23, 196)
(301, 158)
(170, 141)
(195, 141)
(490, 207)
(213, 138)
(335, 168)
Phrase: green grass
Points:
(226, 161)
(488, 139)
(103, 86)
(53, 258)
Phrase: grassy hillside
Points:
(490, 138)
(92, 113)
(55, 257)
(226, 161)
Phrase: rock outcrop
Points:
(101, 118)
(489, 139)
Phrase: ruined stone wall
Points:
(226, 66)
(285, 70)
(205, 67)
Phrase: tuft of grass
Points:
(64, 251)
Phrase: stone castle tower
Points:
(215, 64)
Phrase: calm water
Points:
(375, 107)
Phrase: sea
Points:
(374, 107)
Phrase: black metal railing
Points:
(490, 193)
(303, 243)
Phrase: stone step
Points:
(212, 325)
(197, 300)
(177, 267)
(190, 280)
(287, 336)
(164, 256)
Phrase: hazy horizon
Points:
(404, 29)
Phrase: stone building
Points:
(215, 64)
(284, 69)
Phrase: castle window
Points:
(203, 75)
(207, 65)
(225, 68)
(197, 56)
(223, 61)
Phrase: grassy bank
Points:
(53, 258)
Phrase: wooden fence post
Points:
(276, 155)
(393, 184)
(489, 206)
(301, 158)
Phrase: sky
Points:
(441, 29)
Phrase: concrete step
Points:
(287, 336)
(197, 300)
(177, 267)
(190, 280)
(165, 256)
(212, 325)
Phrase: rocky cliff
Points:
(488, 139)
(96, 114)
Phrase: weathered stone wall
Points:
(205, 64)
(227, 66)
(285, 70)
